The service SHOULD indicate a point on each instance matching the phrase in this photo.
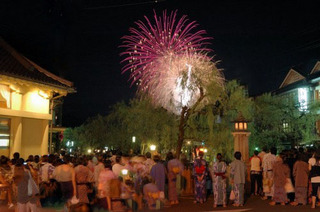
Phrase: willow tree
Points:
(168, 60)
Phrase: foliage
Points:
(278, 122)
(138, 118)
(213, 123)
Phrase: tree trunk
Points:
(181, 131)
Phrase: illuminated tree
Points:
(169, 62)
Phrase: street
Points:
(186, 204)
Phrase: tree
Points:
(213, 123)
(279, 122)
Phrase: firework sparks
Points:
(166, 58)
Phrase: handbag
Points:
(232, 195)
(32, 186)
(289, 186)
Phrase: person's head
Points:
(118, 158)
(237, 155)
(255, 152)
(44, 158)
(108, 164)
(148, 155)
(156, 158)
(273, 150)
(283, 157)
(66, 159)
(301, 150)
(170, 156)
(264, 148)
(36, 158)
(81, 161)
(16, 155)
(30, 158)
(219, 156)
(51, 158)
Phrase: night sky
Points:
(256, 41)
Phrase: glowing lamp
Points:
(240, 123)
(124, 172)
(43, 94)
(89, 151)
(133, 139)
(153, 147)
(205, 150)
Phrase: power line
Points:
(124, 5)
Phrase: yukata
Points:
(151, 195)
(219, 183)
(175, 167)
(267, 165)
(105, 178)
(158, 173)
(83, 177)
(200, 171)
(238, 171)
(281, 172)
(301, 174)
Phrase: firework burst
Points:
(164, 58)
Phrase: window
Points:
(5, 96)
(4, 133)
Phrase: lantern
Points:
(240, 123)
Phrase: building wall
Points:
(29, 116)
(34, 139)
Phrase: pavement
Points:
(186, 205)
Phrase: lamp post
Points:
(241, 136)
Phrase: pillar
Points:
(241, 144)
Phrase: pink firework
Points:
(152, 43)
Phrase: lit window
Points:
(302, 98)
(5, 96)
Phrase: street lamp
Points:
(153, 147)
(240, 123)
(241, 136)
(133, 139)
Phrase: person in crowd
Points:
(174, 168)
(105, 178)
(90, 163)
(83, 177)
(48, 187)
(117, 167)
(255, 174)
(263, 152)
(151, 193)
(158, 173)
(6, 179)
(281, 174)
(314, 166)
(148, 162)
(219, 182)
(301, 174)
(65, 175)
(46, 170)
(200, 172)
(98, 167)
(238, 171)
(26, 200)
(267, 164)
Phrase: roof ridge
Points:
(30, 65)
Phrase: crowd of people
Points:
(115, 181)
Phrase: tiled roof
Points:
(15, 65)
